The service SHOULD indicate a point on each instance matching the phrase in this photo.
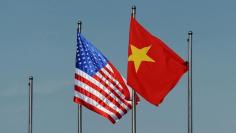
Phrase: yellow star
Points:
(139, 55)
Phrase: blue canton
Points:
(88, 58)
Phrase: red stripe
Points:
(93, 108)
(118, 78)
(115, 76)
(89, 83)
(111, 80)
(112, 91)
(121, 81)
(108, 70)
(98, 100)
(78, 77)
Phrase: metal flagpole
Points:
(133, 92)
(79, 106)
(190, 120)
(30, 104)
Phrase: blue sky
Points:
(39, 37)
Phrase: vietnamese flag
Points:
(153, 68)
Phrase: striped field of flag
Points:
(98, 84)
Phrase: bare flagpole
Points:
(30, 122)
(133, 91)
(190, 119)
(79, 106)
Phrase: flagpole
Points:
(30, 104)
(133, 13)
(190, 120)
(79, 106)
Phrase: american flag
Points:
(98, 85)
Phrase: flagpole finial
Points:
(79, 22)
(190, 33)
(79, 26)
(30, 77)
(30, 121)
(133, 7)
(133, 11)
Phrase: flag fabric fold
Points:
(98, 84)
(153, 68)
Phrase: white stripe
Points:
(109, 76)
(104, 79)
(99, 95)
(94, 81)
(116, 90)
(101, 86)
(95, 104)
(109, 68)
(129, 88)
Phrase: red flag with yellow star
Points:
(153, 68)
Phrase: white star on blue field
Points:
(89, 59)
(38, 38)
